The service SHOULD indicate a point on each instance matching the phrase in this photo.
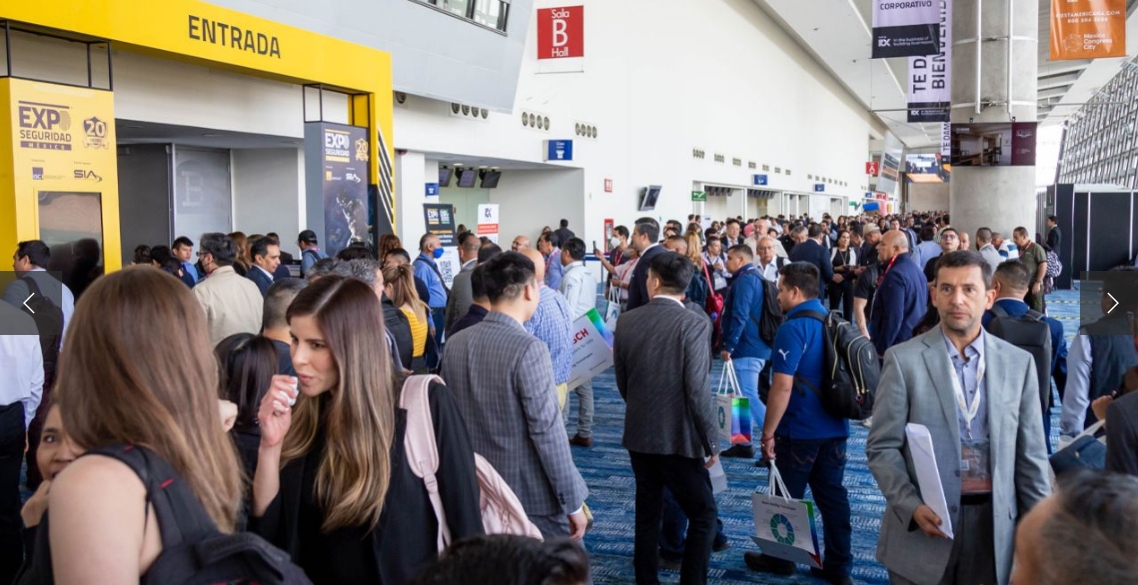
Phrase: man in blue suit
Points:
(266, 258)
(902, 294)
(812, 251)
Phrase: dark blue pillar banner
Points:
(340, 177)
(906, 28)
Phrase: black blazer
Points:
(1122, 434)
(661, 363)
(813, 252)
(638, 287)
(263, 280)
(405, 540)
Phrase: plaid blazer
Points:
(502, 380)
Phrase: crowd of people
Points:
(272, 404)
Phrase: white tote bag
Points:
(612, 310)
(785, 527)
(732, 409)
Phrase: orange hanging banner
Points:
(1088, 29)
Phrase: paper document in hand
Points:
(928, 476)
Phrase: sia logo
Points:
(778, 524)
(361, 150)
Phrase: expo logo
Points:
(336, 140)
(44, 117)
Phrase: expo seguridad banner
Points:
(1088, 29)
(905, 28)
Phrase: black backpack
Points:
(194, 551)
(850, 368)
(1030, 333)
(772, 317)
(49, 318)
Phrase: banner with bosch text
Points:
(905, 28)
(592, 348)
(1088, 29)
(930, 77)
(345, 155)
(64, 175)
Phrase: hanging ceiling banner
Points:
(1088, 29)
(890, 170)
(930, 77)
(906, 28)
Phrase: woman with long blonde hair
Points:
(399, 286)
(332, 487)
(103, 528)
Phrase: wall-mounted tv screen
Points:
(466, 178)
(1001, 144)
(445, 175)
(926, 168)
(490, 179)
(648, 197)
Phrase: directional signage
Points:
(760, 180)
(561, 150)
(699, 195)
(819, 187)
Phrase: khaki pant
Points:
(562, 395)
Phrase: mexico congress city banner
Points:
(905, 28)
(1088, 29)
(930, 77)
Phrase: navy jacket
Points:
(814, 253)
(262, 280)
(741, 313)
(899, 304)
(638, 288)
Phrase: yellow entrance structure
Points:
(42, 124)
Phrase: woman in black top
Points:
(328, 467)
(246, 365)
(844, 259)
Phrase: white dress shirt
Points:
(580, 289)
(21, 379)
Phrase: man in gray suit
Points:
(460, 299)
(502, 380)
(661, 363)
(979, 398)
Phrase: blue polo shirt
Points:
(799, 350)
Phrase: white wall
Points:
(928, 196)
(531, 199)
(656, 88)
(268, 192)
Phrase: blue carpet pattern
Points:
(606, 470)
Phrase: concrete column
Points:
(997, 197)
(410, 195)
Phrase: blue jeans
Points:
(748, 370)
(821, 464)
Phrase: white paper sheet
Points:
(928, 475)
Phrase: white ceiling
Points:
(837, 33)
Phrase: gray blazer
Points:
(502, 380)
(916, 387)
(461, 296)
(661, 356)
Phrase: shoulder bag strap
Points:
(999, 311)
(419, 444)
(434, 267)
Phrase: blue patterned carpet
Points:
(606, 469)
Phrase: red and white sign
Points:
(872, 168)
(608, 185)
(561, 32)
(488, 221)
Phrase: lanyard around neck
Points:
(968, 411)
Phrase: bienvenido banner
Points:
(906, 28)
(1088, 29)
(930, 77)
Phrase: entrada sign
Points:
(232, 36)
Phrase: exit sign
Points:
(699, 195)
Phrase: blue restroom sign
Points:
(559, 150)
